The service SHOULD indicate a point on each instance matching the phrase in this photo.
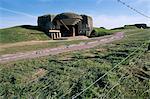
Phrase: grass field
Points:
(21, 33)
(65, 75)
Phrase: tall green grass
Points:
(19, 34)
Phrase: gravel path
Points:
(53, 51)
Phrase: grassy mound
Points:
(97, 32)
(21, 33)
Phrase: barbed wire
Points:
(78, 94)
(67, 92)
(114, 86)
(135, 10)
(138, 55)
(119, 81)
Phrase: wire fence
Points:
(137, 11)
(78, 94)
(119, 81)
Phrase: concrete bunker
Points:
(66, 25)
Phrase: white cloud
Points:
(18, 18)
(117, 21)
(17, 12)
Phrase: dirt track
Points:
(54, 51)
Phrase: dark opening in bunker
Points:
(71, 30)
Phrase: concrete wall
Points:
(85, 26)
(45, 22)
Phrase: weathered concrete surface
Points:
(54, 51)
(69, 24)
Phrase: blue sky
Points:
(106, 13)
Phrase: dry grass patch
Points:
(35, 75)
